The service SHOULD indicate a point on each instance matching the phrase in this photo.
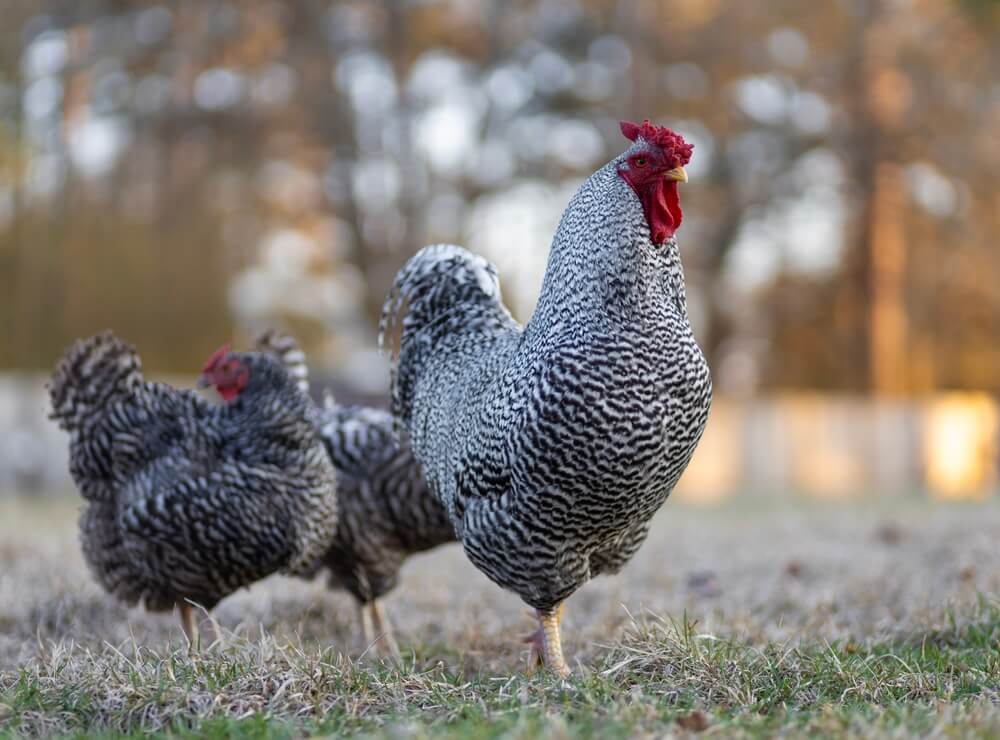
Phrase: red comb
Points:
(216, 358)
(670, 142)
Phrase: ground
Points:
(760, 616)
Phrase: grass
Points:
(757, 620)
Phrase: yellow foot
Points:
(387, 640)
(548, 642)
(189, 624)
(197, 639)
(376, 631)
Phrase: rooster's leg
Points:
(551, 641)
(189, 624)
(536, 640)
(383, 628)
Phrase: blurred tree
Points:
(178, 170)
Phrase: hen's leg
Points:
(367, 628)
(548, 641)
(383, 628)
(189, 624)
(212, 634)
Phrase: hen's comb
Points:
(670, 142)
(216, 358)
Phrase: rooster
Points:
(551, 445)
(186, 500)
(386, 512)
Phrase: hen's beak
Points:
(677, 173)
(203, 382)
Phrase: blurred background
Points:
(189, 172)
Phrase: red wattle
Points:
(673, 206)
(661, 205)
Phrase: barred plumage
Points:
(188, 500)
(552, 445)
(386, 512)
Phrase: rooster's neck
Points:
(604, 272)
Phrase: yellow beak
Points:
(678, 174)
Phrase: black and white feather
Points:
(551, 445)
(387, 513)
(186, 499)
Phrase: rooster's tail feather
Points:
(442, 290)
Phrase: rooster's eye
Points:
(639, 161)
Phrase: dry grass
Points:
(869, 619)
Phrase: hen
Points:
(187, 501)
(386, 512)
(553, 444)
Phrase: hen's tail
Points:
(287, 350)
(93, 374)
(441, 291)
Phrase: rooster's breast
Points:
(607, 431)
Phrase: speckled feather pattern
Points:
(387, 512)
(186, 499)
(552, 445)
